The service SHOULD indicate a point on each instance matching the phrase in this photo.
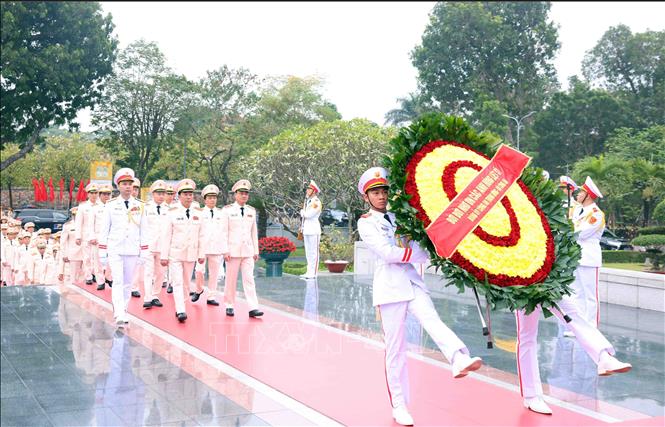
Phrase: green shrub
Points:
(656, 229)
(649, 240)
(659, 213)
(624, 256)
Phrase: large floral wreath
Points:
(522, 254)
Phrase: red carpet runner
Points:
(340, 376)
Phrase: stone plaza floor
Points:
(65, 363)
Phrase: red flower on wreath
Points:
(272, 245)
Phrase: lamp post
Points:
(519, 125)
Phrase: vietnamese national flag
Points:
(51, 190)
(61, 184)
(72, 184)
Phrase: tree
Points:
(632, 64)
(576, 124)
(61, 156)
(141, 104)
(54, 58)
(647, 144)
(410, 109)
(482, 51)
(334, 154)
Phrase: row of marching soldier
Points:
(139, 248)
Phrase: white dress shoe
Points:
(402, 416)
(537, 404)
(608, 365)
(464, 364)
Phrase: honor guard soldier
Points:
(209, 239)
(104, 271)
(168, 199)
(30, 228)
(156, 211)
(311, 229)
(137, 280)
(41, 268)
(136, 189)
(85, 231)
(398, 289)
(11, 247)
(23, 258)
(72, 254)
(180, 242)
(4, 242)
(589, 222)
(123, 241)
(240, 247)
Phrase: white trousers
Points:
(589, 337)
(246, 267)
(91, 264)
(182, 272)
(153, 276)
(215, 270)
(123, 271)
(393, 319)
(311, 242)
(586, 293)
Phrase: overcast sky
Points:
(361, 50)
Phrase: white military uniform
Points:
(399, 289)
(209, 239)
(311, 231)
(589, 222)
(153, 271)
(124, 236)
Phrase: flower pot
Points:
(274, 263)
(336, 266)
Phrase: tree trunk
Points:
(11, 199)
(263, 221)
(27, 148)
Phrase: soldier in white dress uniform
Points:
(123, 241)
(398, 289)
(209, 239)
(156, 211)
(589, 222)
(311, 229)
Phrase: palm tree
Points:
(410, 109)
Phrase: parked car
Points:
(610, 241)
(334, 217)
(43, 218)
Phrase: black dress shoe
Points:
(169, 290)
(147, 304)
(94, 278)
(157, 303)
(229, 312)
(181, 317)
(101, 287)
(191, 293)
(212, 302)
(164, 285)
(88, 282)
(110, 283)
(255, 313)
(196, 296)
(136, 294)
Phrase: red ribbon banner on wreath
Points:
(470, 206)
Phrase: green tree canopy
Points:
(472, 52)
(54, 58)
(142, 102)
(576, 124)
(633, 64)
(647, 144)
(334, 154)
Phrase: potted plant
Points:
(274, 250)
(336, 250)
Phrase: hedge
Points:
(624, 256)
(656, 229)
(649, 240)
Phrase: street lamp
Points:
(519, 125)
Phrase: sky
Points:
(360, 49)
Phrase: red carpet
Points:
(340, 376)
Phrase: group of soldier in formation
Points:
(135, 246)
